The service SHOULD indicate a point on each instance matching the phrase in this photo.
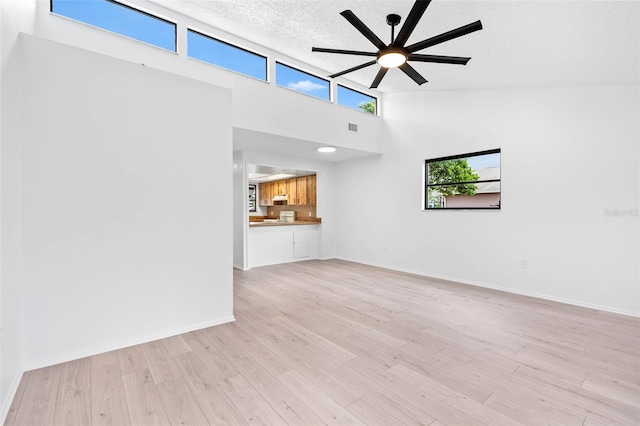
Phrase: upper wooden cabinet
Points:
(280, 187)
(306, 190)
(292, 191)
(301, 184)
(311, 190)
(300, 191)
(265, 191)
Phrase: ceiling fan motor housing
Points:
(393, 19)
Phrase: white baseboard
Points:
(124, 344)
(8, 398)
(499, 288)
(240, 268)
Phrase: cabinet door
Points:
(311, 190)
(271, 191)
(292, 191)
(282, 187)
(262, 189)
(301, 184)
(266, 194)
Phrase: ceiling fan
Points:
(396, 54)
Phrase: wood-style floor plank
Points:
(334, 342)
(73, 398)
(143, 401)
(179, 403)
(284, 402)
(215, 405)
(322, 404)
(36, 398)
(131, 360)
(249, 402)
(159, 361)
(372, 414)
(108, 402)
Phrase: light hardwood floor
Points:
(333, 342)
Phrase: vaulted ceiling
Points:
(523, 43)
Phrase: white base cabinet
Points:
(270, 245)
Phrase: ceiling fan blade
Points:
(449, 35)
(364, 30)
(379, 76)
(456, 60)
(410, 23)
(415, 76)
(343, 52)
(356, 68)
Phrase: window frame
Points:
(376, 114)
(426, 186)
(235, 46)
(275, 81)
(135, 9)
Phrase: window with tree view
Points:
(468, 181)
(357, 100)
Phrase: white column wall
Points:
(122, 169)
(15, 16)
(240, 196)
(568, 155)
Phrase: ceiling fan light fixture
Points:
(392, 58)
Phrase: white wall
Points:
(568, 155)
(240, 196)
(15, 16)
(122, 170)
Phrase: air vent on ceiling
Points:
(353, 127)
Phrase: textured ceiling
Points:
(523, 43)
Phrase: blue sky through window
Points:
(483, 161)
(115, 17)
(219, 53)
(301, 81)
(352, 98)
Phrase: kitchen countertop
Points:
(294, 223)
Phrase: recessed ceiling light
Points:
(326, 149)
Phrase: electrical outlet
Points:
(523, 263)
(271, 213)
(309, 214)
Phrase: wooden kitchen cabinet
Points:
(266, 193)
(261, 196)
(306, 187)
(311, 190)
(301, 186)
(270, 193)
(292, 191)
(280, 187)
(300, 191)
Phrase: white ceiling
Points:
(523, 43)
